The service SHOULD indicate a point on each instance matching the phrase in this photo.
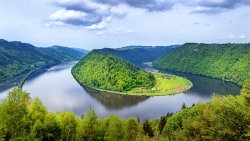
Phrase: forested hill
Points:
(63, 54)
(139, 54)
(20, 58)
(225, 61)
(105, 71)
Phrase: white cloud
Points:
(129, 31)
(92, 15)
(242, 37)
(72, 17)
(100, 33)
(101, 25)
(95, 14)
(232, 36)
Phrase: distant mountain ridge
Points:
(19, 58)
(139, 54)
(81, 50)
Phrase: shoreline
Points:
(137, 94)
(25, 76)
(176, 71)
(202, 75)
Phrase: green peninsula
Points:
(110, 73)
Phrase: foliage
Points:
(132, 129)
(224, 118)
(163, 121)
(148, 129)
(139, 54)
(246, 91)
(85, 129)
(20, 58)
(108, 72)
(224, 61)
(115, 129)
(14, 114)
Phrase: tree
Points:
(37, 130)
(132, 129)
(14, 112)
(147, 129)
(1, 132)
(86, 127)
(162, 123)
(37, 110)
(51, 128)
(37, 113)
(115, 129)
(68, 123)
(183, 106)
(245, 91)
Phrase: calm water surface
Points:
(59, 91)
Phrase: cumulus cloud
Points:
(96, 14)
(217, 6)
(74, 18)
(149, 5)
(86, 13)
(85, 6)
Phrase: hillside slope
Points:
(105, 71)
(139, 54)
(224, 61)
(64, 54)
(20, 58)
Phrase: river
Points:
(59, 91)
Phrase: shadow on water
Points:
(53, 69)
(59, 91)
(207, 85)
(115, 101)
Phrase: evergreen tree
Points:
(132, 129)
(162, 123)
(147, 129)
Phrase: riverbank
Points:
(202, 75)
(23, 77)
(165, 85)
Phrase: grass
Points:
(166, 84)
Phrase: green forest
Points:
(229, 62)
(105, 71)
(21, 58)
(139, 54)
(223, 118)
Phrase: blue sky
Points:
(115, 23)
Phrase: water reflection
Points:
(115, 101)
(206, 86)
(59, 91)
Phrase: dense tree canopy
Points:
(108, 72)
(20, 58)
(224, 118)
(139, 54)
(225, 61)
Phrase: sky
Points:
(93, 24)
